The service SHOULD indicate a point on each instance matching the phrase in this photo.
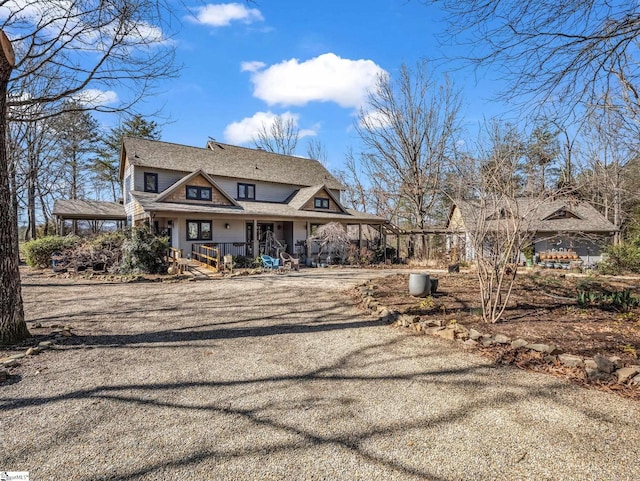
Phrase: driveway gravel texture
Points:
(282, 377)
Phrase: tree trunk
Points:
(12, 326)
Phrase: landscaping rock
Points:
(626, 373)
(590, 364)
(45, 343)
(604, 364)
(17, 356)
(461, 331)
(596, 374)
(502, 339)
(67, 333)
(550, 359)
(470, 343)
(487, 341)
(474, 335)
(447, 334)
(434, 330)
(434, 322)
(570, 360)
(546, 348)
(518, 343)
(636, 381)
(617, 362)
(10, 363)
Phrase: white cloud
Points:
(252, 66)
(95, 97)
(326, 78)
(375, 119)
(244, 131)
(221, 15)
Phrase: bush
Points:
(379, 254)
(621, 258)
(244, 262)
(143, 252)
(38, 252)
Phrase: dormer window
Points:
(321, 203)
(246, 191)
(195, 192)
(150, 182)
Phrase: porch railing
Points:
(233, 248)
(206, 255)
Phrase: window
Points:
(150, 182)
(198, 230)
(198, 193)
(320, 203)
(126, 187)
(247, 191)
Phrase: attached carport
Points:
(94, 212)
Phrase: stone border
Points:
(597, 368)
(58, 334)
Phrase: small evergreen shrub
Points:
(38, 252)
(143, 252)
(621, 258)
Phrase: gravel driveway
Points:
(280, 377)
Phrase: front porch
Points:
(254, 237)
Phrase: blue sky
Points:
(246, 62)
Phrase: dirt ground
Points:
(543, 308)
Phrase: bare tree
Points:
(317, 151)
(78, 50)
(567, 51)
(498, 221)
(409, 128)
(609, 179)
(281, 136)
(82, 49)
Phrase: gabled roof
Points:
(166, 193)
(89, 209)
(225, 160)
(539, 215)
(304, 195)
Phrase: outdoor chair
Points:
(289, 261)
(269, 263)
(228, 263)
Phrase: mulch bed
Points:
(543, 309)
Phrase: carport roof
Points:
(89, 210)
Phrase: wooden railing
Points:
(206, 255)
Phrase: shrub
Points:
(380, 252)
(624, 257)
(243, 262)
(38, 252)
(143, 252)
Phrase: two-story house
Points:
(226, 195)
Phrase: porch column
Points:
(254, 241)
(307, 246)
